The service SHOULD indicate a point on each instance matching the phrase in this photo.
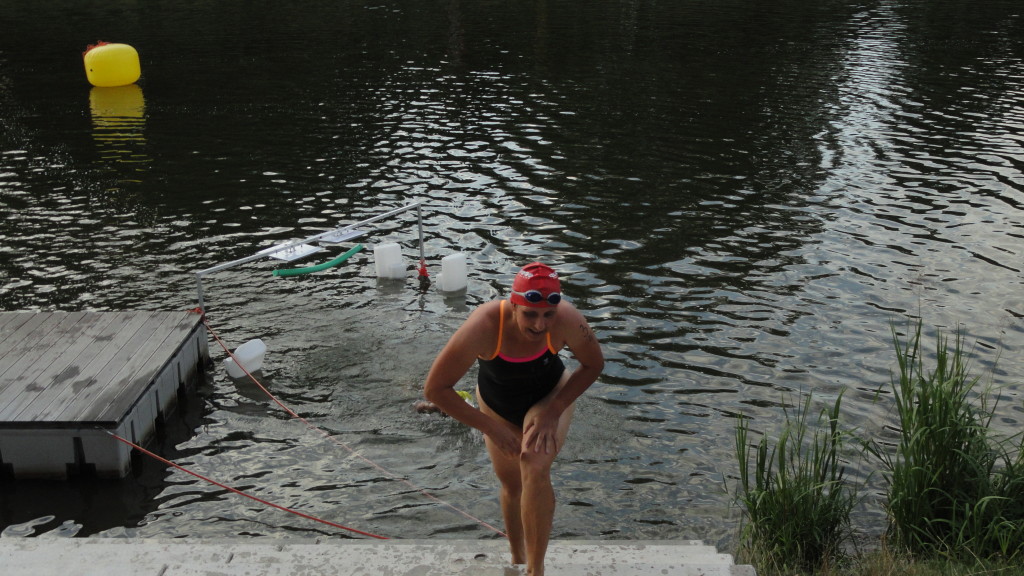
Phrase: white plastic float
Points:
(388, 261)
(453, 273)
(249, 356)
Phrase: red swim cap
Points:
(534, 285)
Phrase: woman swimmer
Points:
(526, 396)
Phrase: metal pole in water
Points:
(419, 223)
(199, 291)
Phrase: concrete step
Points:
(276, 557)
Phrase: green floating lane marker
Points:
(319, 267)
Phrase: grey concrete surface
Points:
(275, 557)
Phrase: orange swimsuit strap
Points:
(501, 331)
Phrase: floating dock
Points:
(69, 378)
(276, 557)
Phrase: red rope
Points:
(328, 436)
(239, 492)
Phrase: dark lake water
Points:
(742, 197)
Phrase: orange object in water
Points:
(110, 64)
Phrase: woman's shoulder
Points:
(481, 329)
(485, 317)
(570, 321)
(488, 310)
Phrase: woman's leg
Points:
(527, 496)
(538, 498)
(506, 468)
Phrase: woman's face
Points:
(534, 323)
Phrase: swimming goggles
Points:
(535, 297)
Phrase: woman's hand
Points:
(505, 439)
(540, 430)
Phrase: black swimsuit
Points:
(511, 386)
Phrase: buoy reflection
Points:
(119, 122)
(119, 131)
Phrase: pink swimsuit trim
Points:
(530, 359)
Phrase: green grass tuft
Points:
(797, 505)
(954, 496)
(953, 490)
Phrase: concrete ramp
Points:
(275, 557)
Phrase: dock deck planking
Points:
(18, 338)
(127, 350)
(67, 378)
(51, 395)
(116, 398)
(53, 364)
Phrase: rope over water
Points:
(310, 426)
(351, 450)
(239, 492)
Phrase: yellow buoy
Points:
(108, 64)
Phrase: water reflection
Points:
(119, 125)
(740, 198)
(34, 527)
(25, 528)
(88, 506)
(119, 122)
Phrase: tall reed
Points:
(953, 490)
(796, 504)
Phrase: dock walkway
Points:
(68, 378)
(321, 557)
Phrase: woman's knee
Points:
(512, 491)
(506, 469)
(535, 464)
(510, 477)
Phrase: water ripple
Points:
(740, 221)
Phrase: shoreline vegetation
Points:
(954, 490)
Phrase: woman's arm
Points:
(473, 339)
(539, 430)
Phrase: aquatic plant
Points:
(953, 490)
(797, 506)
